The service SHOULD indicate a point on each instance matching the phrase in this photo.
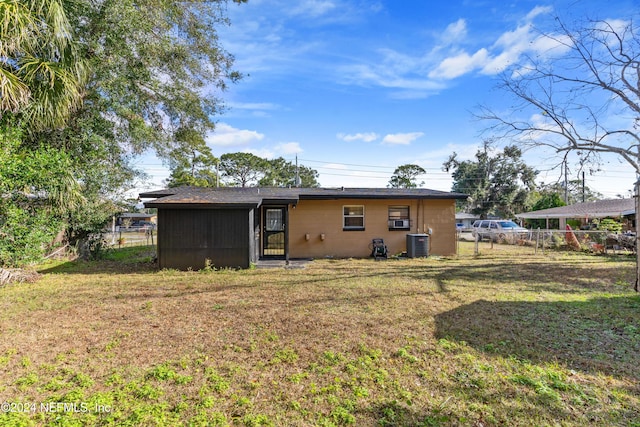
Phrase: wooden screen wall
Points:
(188, 237)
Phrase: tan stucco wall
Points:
(317, 217)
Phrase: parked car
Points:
(144, 225)
(499, 230)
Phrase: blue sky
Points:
(356, 88)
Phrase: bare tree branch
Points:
(586, 101)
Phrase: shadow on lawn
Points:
(597, 335)
(101, 267)
(536, 276)
(136, 259)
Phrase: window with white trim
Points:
(353, 217)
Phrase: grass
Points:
(502, 338)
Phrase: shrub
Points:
(608, 224)
(25, 235)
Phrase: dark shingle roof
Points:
(254, 196)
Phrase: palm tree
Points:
(41, 73)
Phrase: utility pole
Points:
(218, 173)
(566, 184)
(297, 182)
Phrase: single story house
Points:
(585, 212)
(234, 227)
(132, 218)
(466, 219)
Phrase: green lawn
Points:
(503, 338)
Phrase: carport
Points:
(611, 208)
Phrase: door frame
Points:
(263, 231)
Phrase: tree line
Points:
(203, 169)
(86, 86)
(498, 182)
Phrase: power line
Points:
(378, 172)
(391, 168)
(358, 165)
(440, 175)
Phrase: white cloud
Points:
(538, 10)
(403, 78)
(313, 8)
(366, 137)
(286, 148)
(256, 109)
(452, 51)
(539, 135)
(455, 32)
(425, 74)
(511, 45)
(396, 68)
(507, 50)
(264, 43)
(617, 25)
(266, 106)
(264, 153)
(401, 138)
(458, 65)
(282, 149)
(441, 154)
(226, 135)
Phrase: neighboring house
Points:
(466, 220)
(133, 218)
(234, 227)
(585, 212)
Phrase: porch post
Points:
(286, 235)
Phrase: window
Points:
(398, 217)
(273, 220)
(353, 217)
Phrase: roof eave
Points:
(383, 196)
(572, 215)
(187, 205)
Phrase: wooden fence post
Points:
(476, 244)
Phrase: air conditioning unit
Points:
(417, 245)
(399, 223)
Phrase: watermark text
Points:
(53, 407)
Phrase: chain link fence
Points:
(557, 240)
(130, 236)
